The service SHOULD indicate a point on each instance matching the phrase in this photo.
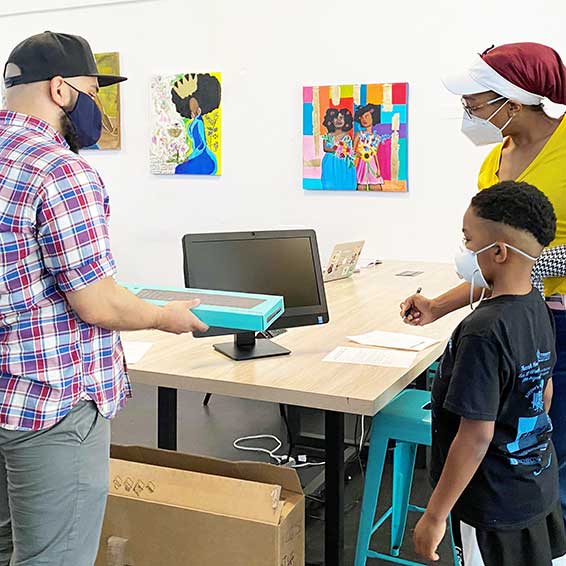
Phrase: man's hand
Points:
(176, 317)
(107, 305)
(428, 534)
(417, 311)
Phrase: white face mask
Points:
(468, 267)
(483, 132)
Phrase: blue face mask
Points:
(86, 119)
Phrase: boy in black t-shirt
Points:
(493, 463)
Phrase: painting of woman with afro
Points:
(196, 96)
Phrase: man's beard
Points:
(69, 133)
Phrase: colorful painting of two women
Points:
(356, 142)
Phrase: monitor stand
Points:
(246, 347)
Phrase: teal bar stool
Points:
(406, 422)
(431, 374)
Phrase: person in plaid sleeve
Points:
(62, 369)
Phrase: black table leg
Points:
(167, 418)
(334, 474)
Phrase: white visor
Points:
(480, 77)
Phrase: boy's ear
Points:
(500, 252)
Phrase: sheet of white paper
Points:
(135, 351)
(367, 357)
(394, 340)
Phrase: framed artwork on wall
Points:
(186, 136)
(108, 101)
(355, 137)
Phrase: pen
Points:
(419, 290)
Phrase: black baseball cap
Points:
(46, 55)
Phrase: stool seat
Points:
(407, 422)
(406, 418)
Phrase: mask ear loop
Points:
(521, 252)
(482, 296)
(506, 124)
(472, 292)
(496, 112)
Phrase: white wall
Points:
(267, 50)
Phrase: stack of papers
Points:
(397, 350)
(365, 356)
(394, 340)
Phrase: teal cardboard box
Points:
(221, 309)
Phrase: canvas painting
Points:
(109, 103)
(186, 124)
(355, 137)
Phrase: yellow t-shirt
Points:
(547, 172)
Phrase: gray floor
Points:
(210, 431)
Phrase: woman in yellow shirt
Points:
(502, 94)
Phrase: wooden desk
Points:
(367, 301)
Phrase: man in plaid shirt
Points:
(62, 370)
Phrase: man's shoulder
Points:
(45, 156)
(65, 163)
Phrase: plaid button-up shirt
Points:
(53, 240)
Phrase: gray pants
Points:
(53, 488)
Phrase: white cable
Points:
(271, 453)
(305, 464)
(363, 433)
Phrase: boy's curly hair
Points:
(519, 205)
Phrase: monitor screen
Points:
(273, 263)
(281, 266)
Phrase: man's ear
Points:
(60, 92)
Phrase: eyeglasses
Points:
(471, 109)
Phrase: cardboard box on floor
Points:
(172, 509)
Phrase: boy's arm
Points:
(464, 457)
(548, 395)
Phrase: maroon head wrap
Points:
(534, 67)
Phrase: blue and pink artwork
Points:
(355, 137)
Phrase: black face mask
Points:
(86, 119)
(69, 133)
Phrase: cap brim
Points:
(463, 84)
(109, 80)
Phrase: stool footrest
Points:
(388, 514)
(382, 520)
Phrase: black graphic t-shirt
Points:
(496, 368)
